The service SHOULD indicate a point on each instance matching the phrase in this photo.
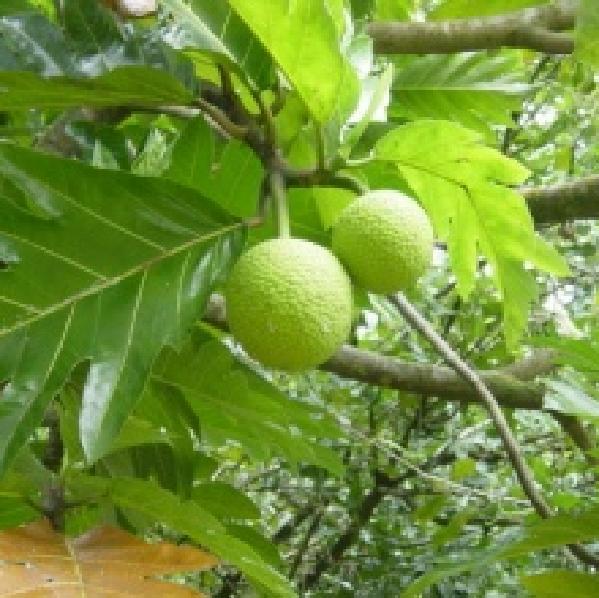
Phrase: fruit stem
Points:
(279, 194)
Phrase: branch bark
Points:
(573, 200)
(539, 28)
(431, 380)
(426, 379)
(471, 377)
(510, 444)
(511, 386)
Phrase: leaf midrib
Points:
(111, 282)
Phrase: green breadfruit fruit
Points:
(289, 303)
(385, 240)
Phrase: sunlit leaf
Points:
(464, 186)
(301, 37)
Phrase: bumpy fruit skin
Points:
(289, 303)
(385, 240)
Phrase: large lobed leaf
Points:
(99, 266)
(473, 89)
(37, 561)
(465, 188)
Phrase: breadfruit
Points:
(289, 303)
(385, 240)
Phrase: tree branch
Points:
(578, 199)
(423, 378)
(511, 386)
(539, 28)
(572, 200)
(510, 443)
(431, 380)
(461, 368)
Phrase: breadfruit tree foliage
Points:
(448, 448)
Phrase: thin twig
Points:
(510, 443)
(279, 194)
(222, 119)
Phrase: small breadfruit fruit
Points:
(385, 240)
(289, 303)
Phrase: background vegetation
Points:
(134, 169)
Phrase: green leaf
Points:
(330, 201)
(587, 43)
(187, 518)
(581, 354)
(34, 44)
(234, 403)
(453, 529)
(463, 468)
(463, 186)
(137, 432)
(565, 397)
(559, 530)
(393, 10)
(90, 25)
(224, 501)
(473, 89)
(125, 86)
(26, 476)
(302, 38)
(233, 179)
(111, 268)
(14, 512)
(215, 28)
(261, 545)
(9, 7)
(562, 584)
(473, 8)
(192, 156)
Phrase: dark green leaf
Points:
(125, 86)
(35, 44)
(215, 28)
(120, 267)
(233, 403)
(90, 26)
(233, 178)
(224, 501)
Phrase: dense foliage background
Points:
(134, 169)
